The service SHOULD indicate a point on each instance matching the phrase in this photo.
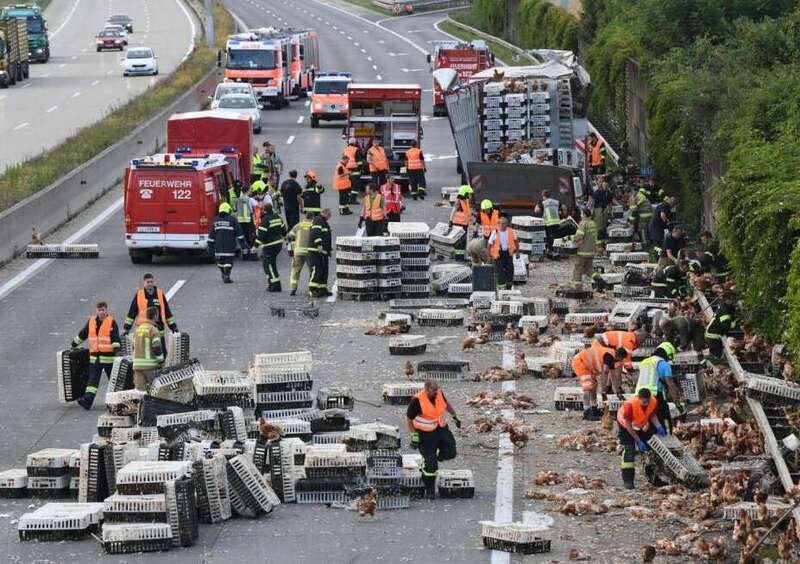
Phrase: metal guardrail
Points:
(420, 5)
(483, 35)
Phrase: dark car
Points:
(109, 39)
(123, 20)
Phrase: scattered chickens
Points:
(511, 333)
(648, 553)
(408, 369)
(36, 238)
(367, 505)
(547, 478)
(269, 431)
(583, 507)
(501, 400)
(383, 330)
(495, 374)
(531, 335)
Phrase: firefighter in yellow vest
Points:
(503, 248)
(489, 218)
(415, 167)
(373, 212)
(587, 239)
(429, 432)
(103, 335)
(148, 350)
(342, 185)
(461, 215)
(299, 237)
(637, 420)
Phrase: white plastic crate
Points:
(16, 478)
(106, 423)
(689, 388)
(83, 250)
(50, 461)
(293, 427)
(140, 435)
(266, 398)
(330, 438)
(143, 472)
(443, 234)
(592, 318)
(506, 307)
(122, 538)
(619, 232)
(619, 259)
(623, 313)
(233, 424)
(776, 391)
(121, 376)
(344, 283)
(397, 319)
(460, 289)
(509, 294)
(125, 402)
(449, 477)
(677, 460)
(775, 508)
(212, 382)
(296, 378)
(176, 383)
(300, 413)
(349, 257)
(48, 482)
(205, 417)
(278, 360)
(440, 317)
(401, 392)
(408, 344)
(449, 192)
(623, 247)
(414, 263)
(514, 533)
(250, 493)
(420, 289)
(214, 505)
(59, 521)
(121, 505)
(408, 229)
(335, 459)
(362, 270)
(538, 321)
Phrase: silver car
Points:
(225, 88)
(140, 60)
(238, 104)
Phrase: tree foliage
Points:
(546, 26)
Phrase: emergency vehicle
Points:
(170, 202)
(329, 99)
(453, 63)
(278, 63)
(196, 134)
(390, 112)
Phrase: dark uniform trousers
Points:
(435, 447)
(628, 461)
(269, 260)
(318, 261)
(504, 267)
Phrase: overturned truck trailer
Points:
(516, 131)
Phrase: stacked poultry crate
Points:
(388, 257)
(282, 383)
(60, 521)
(443, 238)
(330, 471)
(517, 112)
(415, 250)
(49, 472)
(531, 234)
(356, 268)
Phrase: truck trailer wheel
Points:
(26, 72)
(140, 257)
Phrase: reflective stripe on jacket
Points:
(431, 413)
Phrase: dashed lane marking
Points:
(23, 125)
(51, 109)
(290, 140)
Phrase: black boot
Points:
(86, 401)
(430, 487)
(627, 477)
(227, 279)
(293, 292)
(587, 414)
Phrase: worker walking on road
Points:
(378, 162)
(429, 432)
(355, 158)
(393, 197)
(319, 255)
(103, 335)
(551, 211)
(637, 421)
(489, 218)
(721, 324)
(587, 240)
(590, 366)
(270, 241)
(148, 351)
(373, 212)
(300, 240)
(150, 296)
(415, 167)
(655, 374)
(245, 210)
(291, 192)
(312, 194)
(503, 248)
(342, 185)
(223, 237)
(461, 215)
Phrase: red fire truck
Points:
(390, 112)
(170, 202)
(196, 134)
(453, 63)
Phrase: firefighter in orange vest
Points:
(150, 296)
(342, 185)
(378, 162)
(503, 247)
(415, 167)
(461, 216)
(637, 421)
(373, 212)
(489, 218)
(596, 157)
(592, 364)
(429, 432)
(103, 335)
(619, 340)
(354, 163)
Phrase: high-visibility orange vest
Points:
(414, 159)
(141, 305)
(494, 250)
(620, 339)
(489, 222)
(100, 341)
(641, 415)
(379, 162)
(373, 210)
(351, 153)
(341, 178)
(597, 153)
(431, 414)
(591, 359)
(463, 214)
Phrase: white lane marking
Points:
(381, 41)
(51, 109)
(191, 24)
(335, 28)
(504, 497)
(27, 85)
(239, 21)
(62, 65)
(378, 77)
(95, 82)
(334, 291)
(23, 125)
(3, 97)
(308, 103)
(363, 50)
(101, 218)
(356, 44)
(75, 95)
(45, 75)
(349, 38)
(66, 20)
(369, 59)
(290, 140)
(174, 289)
(374, 67)
(84, 50)
(110, 72)
(300, 119)
(74, 58)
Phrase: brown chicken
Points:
(36, 238)
(531, 335)
(268, 430)
(648, 553)
(468, 343)
(606, 421)
(383, 330)
(511, 333)
(367, 505)
(408, 368)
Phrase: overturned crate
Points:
(441, 370)
(176, 383)
(408, 344)
(674, 462)
(513, 537)
(73, 373)
(773, 391)
(76, 251)
(250, 494)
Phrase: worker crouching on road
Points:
(373, 212)
(627, 340)
(461, 215)
(319, 255)
(103, 335)
(148, 353)
(593, 364)
(270, 240)
(637, 421)
(223, 237)
(503, 247)
(429, 432)
(300, 239)
(655, 374)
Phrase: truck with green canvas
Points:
(38, 42)
(13, 51)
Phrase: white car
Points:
(119, 28)
(224, 88)
(140, 60)
(238, 104)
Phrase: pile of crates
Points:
(510, 116)
(415, 260)
(531, 235)
(282, 383)
(443, 239)
(48, 472)
(368, 268)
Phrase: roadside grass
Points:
(370, 6)
(19, 181)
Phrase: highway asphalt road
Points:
(78, 85)
(229, 323)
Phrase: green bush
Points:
(490, 16)
(543, 25)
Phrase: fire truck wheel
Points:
(140, 256)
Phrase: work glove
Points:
(641, 446)
(73, 345)
(415, 440)
(173, 328)
(457, 421)
(660, 431)
(361, 223)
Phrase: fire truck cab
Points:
(389, 112)
(452, 64)
(170, 202)
(329, 99)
